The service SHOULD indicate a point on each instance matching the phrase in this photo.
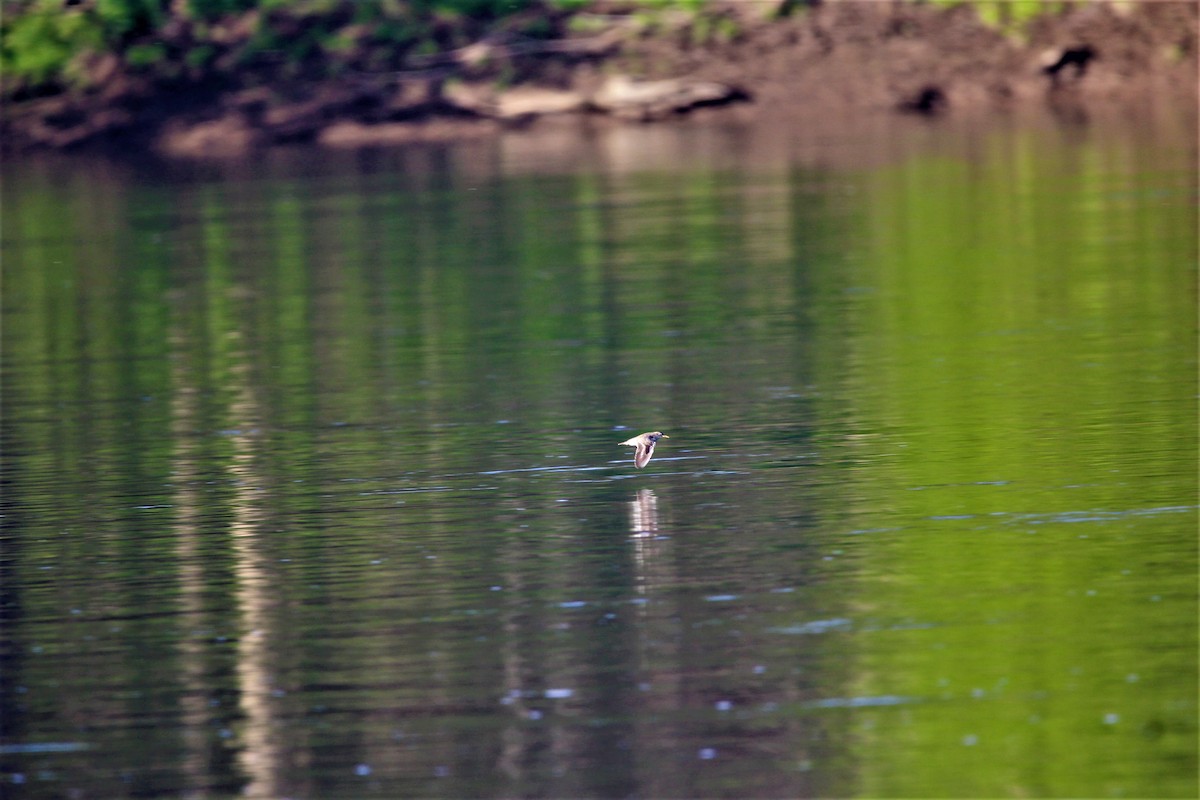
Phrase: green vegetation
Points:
(1008, 15)
(39, 44)
(47, 46)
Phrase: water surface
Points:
(312, 485)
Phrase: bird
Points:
(645, 446)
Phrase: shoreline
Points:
(838, 60)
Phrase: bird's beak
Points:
(665, 436)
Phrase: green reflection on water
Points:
(1029, 358)
(320, 471)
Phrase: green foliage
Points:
(146, 55)
(707, 29)
(120, 18)
(199, 57)
(1007, 15)
(340, 44)
(215, 9)
(38, 44)
(43, 42)
(1013, 14)
(587, 24)
(692, 6)
(474, 8)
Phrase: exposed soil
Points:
(837, 59)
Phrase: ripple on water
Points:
(815, 627)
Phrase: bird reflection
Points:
(649, 543)
(643, 514)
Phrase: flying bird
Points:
(645, 447)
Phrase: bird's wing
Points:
(641, 456)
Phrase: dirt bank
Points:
(836, 59)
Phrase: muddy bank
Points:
(834, 60)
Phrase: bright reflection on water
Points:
(312, 485)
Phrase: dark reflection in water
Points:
(311, 483)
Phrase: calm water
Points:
(311, 485)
